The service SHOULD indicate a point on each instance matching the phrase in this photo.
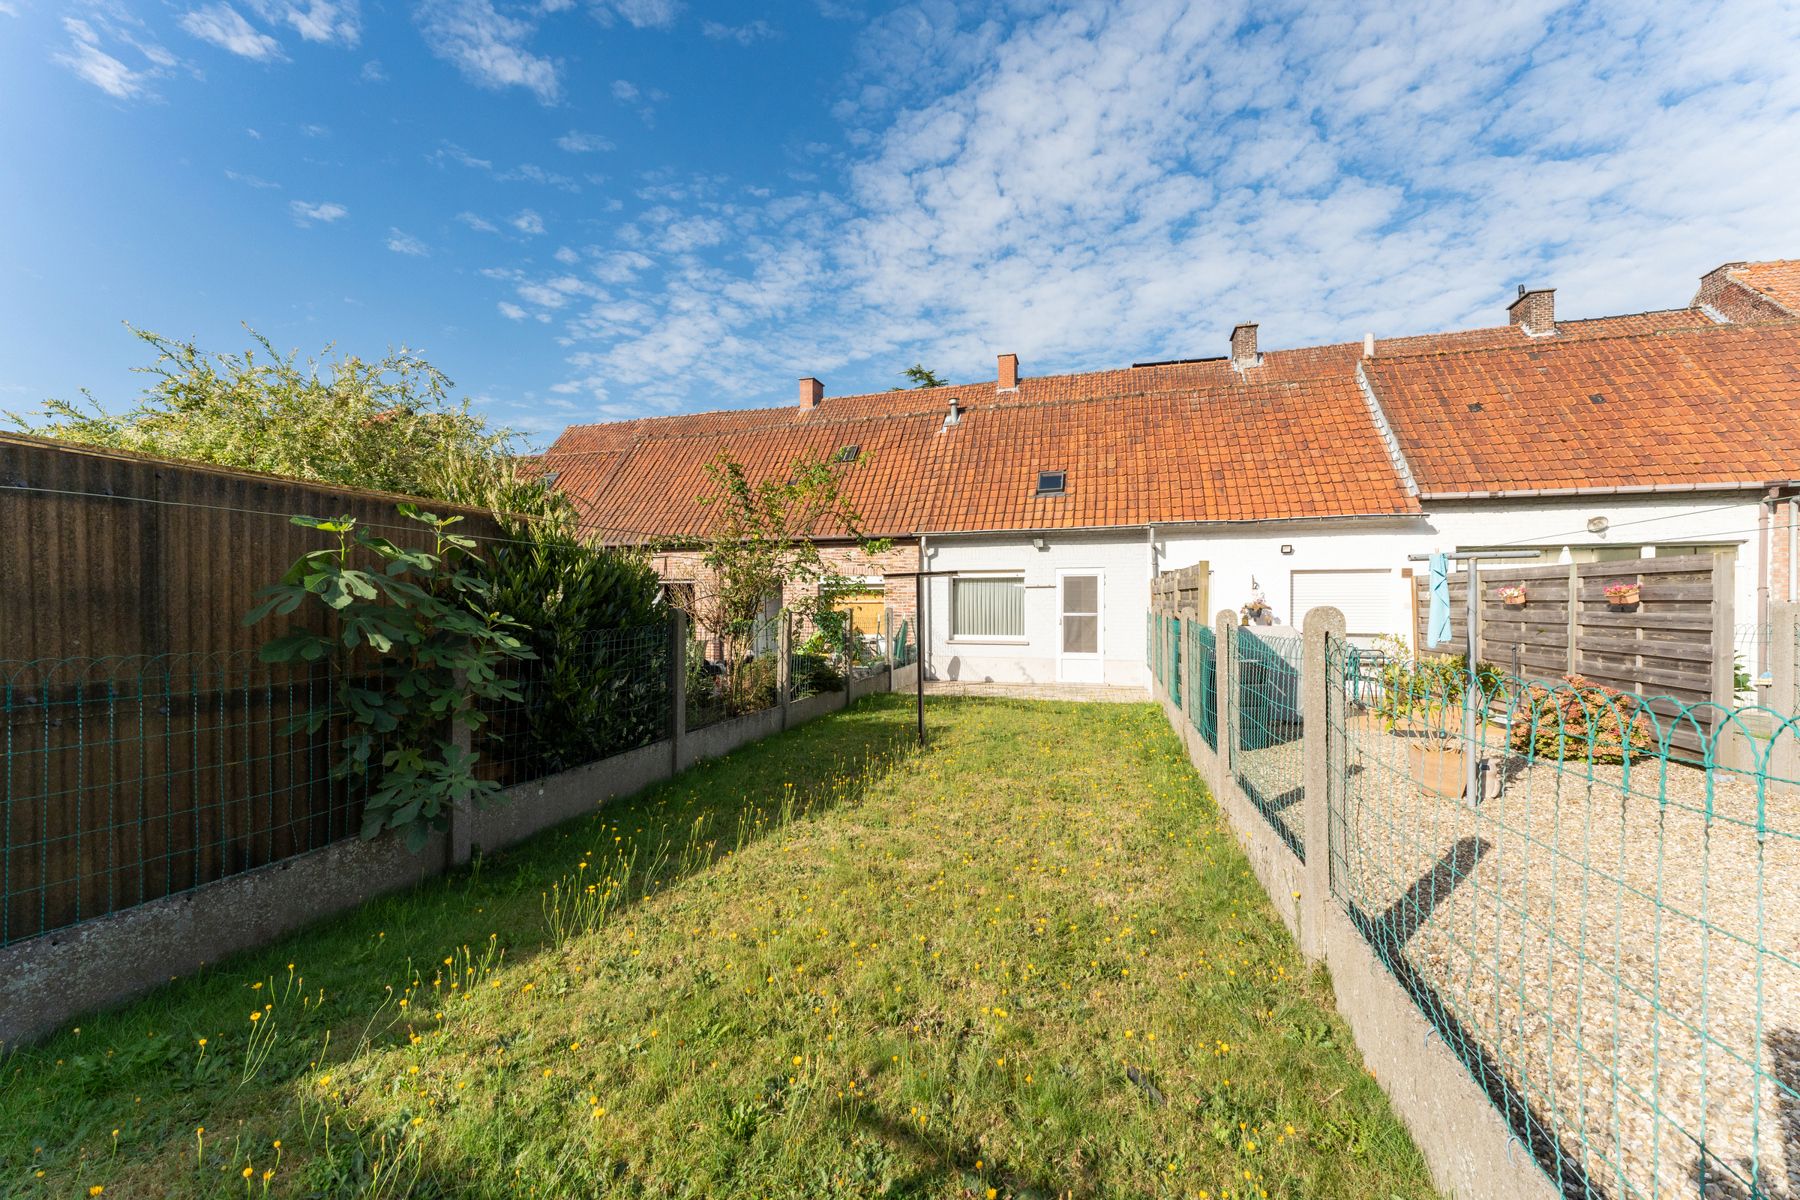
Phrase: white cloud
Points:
(511, 311)
(324, 213)
(527, 222)
(576, 142)
(487, 46)
(89, 62)
(1324, 169)
(255, 181)
(7, 10)
(532, 173)
(643, 14)
(315, 131)
(373, 72)
(314, 20)
(226, 28)
(567, 256)
(451, 152)
(743, 35)
(401, 242)
(624, 90)
(477, 223)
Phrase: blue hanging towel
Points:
(1438, 633)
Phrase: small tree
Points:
(413, 648)
(922, 377)
(761, 545)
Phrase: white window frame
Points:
(988, 639)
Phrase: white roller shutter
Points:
(1369, 600)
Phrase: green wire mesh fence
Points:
(1175, 672)
(905, 652)
(128, 779)
(1604, 930)
(1203, 702)
(1267, 761)
(593, 696)
(125, 780)
(734, 674)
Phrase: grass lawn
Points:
(1030, 962)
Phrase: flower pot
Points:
(1519, 603)
(1624, 600)
(1440, 767)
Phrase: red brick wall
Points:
(902, 594)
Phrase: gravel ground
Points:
(1631, 966)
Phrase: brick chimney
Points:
(1009, 372)
(1534, 311)
(811, 392)
(1243, 346)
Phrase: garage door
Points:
(1369, 600)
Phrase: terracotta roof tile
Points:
(1696, 406)
(1777, 281)
(1199, 441)
(1174, 443)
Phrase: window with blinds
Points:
(987, 607)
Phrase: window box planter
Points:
(1511, 596)
(1623, 597)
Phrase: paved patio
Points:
(1084, 692)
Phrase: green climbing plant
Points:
(414, 646)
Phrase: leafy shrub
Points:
(590, 694)
(1579, 719)
(415, 647)
(814, 673)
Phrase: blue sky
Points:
(583, 209)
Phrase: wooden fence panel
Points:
(146, 750)
(1678, 642)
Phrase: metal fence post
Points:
(1317, 693)
(678, 643)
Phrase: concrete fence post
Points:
(1189, 700)
(1225, 633)
(849, 655)
(784, 666)
(1321, 699)
(1783, 658)
(678, 645)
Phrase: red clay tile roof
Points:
(1777, 282)
(1201, 442)
(1692, 407)
(1175, 443)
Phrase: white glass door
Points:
(1079, 632)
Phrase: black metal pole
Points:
(924, 603)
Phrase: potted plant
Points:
(1623, 595)
(1512, 595)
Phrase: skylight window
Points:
(849, 454)
(1052, 483)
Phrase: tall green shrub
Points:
(593, 617)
